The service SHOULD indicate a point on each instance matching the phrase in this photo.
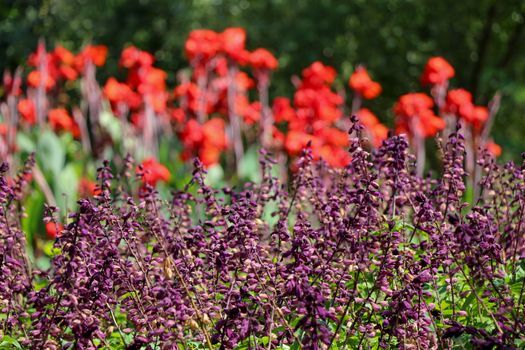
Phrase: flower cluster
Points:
(367, 256)
(313, 117)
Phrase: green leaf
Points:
(215, 176)
(25, 143)
(66, 188)
(249, 165)
(9, 343)
(32, 222)
(50, 153)
(111, 125)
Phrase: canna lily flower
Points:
(53, 230)
(12, 84)
(27, 110)
(34, 80)
(202, 44)
(415, 115)
(60, 120)
(459, 102)
(117, 93)
(88, 188)
(480, 114)
(232, 42)
(437, 71)
(206, 141)
(362, 84)
(493, 148)
(252, 113)
(263, 59)
(296, 141)
(282, 110)
(377, 131)
(132, 57)
(152, 172)
(317, 74)
(94, 53)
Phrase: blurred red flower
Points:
(263, 59)
(459, 102)
(205, 141)
(60, 120)
(152, 172)
(377, 131)
(437, 71)
(96, 54)
(88, 188)
(53, 230)
(34, 79)
(202, 44)
(133, 57)
(416, 117)
(27, 110)
(493, 148)
(362, 84)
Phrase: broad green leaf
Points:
(8, 342)
(66, 188)
(249, 165)
(112, 125)
(215, 175)
(25, 143)
(50, 153)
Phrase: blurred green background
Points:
(483, 39)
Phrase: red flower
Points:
(177, 115)
(202, 44)
(64, 55)
(88, 188)
(336, 157)
(493, 148)
(333, 136)
(243, 82)
(192, 134)
(415, 116)
(479, 116)
(367, 118)
(94, 53)
(3, 129)
(12, 84)
(60, 120)
(263, 59)
(377, 131)
(53, 230)
(296, 141)
(207, 141)
(27, 110)
(64, 60)
(214, 135)
(459, 102)
(132, 57)
(252, 113)
(153, 172)
(361, 83)
(117, 92)
(282, 110)
(232, 44)
(437, 71)
(34, 79)
(412, 104)
(317, 74)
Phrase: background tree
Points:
(483, 39)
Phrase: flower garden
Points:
(213, 214)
